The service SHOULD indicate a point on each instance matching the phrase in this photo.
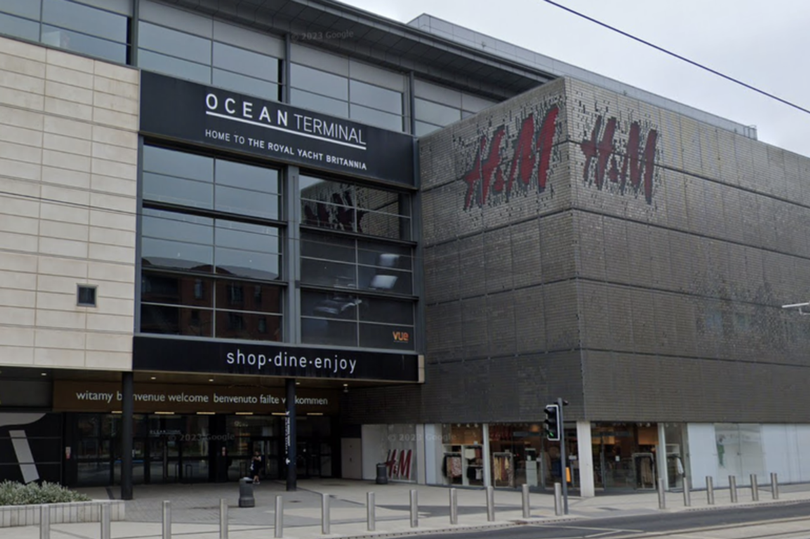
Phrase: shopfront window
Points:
(463, 457)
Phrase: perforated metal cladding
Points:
(643, 282)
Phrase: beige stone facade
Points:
(68, 204)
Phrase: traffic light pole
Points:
(564, 463)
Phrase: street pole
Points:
(563, 457)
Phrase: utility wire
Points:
(679, 57)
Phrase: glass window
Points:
(435, 113)
(23, 8)
(73, 41)
(375, 97)
(253, 64)
(177, 289)
(423, 128)
(85, 19)
(313, 80)
(248, 296)
(246, 202)
(178, 44)
(324, 273)
(385, 255)
(248, 326)
(327, 247)
(333, 332)
(14, 26)
(175, 190)
(169, 320)
(385, 280)
(246, 85)
(319, 103)
(174, 66)
(387, 311)
(376, 118)
(174, 163)
(247, 176)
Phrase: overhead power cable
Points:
(679, 57)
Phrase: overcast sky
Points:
(765, 44)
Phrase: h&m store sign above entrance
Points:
(200, 114)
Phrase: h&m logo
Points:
(606, 158)
(531, 156)
(401, 336)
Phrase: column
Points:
(127, 403)
(585, 459)
(290, 436)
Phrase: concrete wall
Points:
(68, 186)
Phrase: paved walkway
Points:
(195, 509)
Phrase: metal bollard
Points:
(662, 496)
(732, 487)
(44, 521)
(414, 510)
(774, 486)
(558, 499)
(453, 506)
(709, 490)
(167, 519)
(754, 488)
(106, 530)
(526, 506)
(371, 515)
(279, 517)
(687, 496)
(490, 504)
(325, 520)
(223, 519)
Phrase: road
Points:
(783, 521)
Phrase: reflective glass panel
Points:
(248, 326)
(376, 118)
(323, 273)
(327, 247)
(385, 280)
(376, 97)
(247, 176)
(387, 311)
(92, 46)
(248, 296)
(85, 19)
(23, 8)
(177, 289)
(246, 62)
(169, 320)
(314, 80)
(175, 67)
(174, 43)
(246, 202)
(319, 103)
(14, 26)
(177, 190)
(181, 164)
(429, 111)
(330, 305)
(246, 85)
(314, 331)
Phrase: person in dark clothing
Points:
(256, 466)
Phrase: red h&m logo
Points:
(640, 163)
(530, 161)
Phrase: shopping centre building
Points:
(298, 228)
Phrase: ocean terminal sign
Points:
(191, 112)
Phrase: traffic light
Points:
(552, 423)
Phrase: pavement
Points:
(195, 509)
